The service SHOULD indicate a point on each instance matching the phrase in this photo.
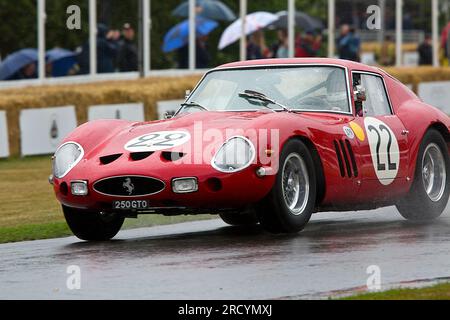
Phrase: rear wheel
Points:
(289, 205)
(239, 219)
(430, 191)
(92, 226)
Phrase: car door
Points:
(383, 141)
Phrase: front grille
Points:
(129, 186)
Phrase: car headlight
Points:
(236, 154)
(66, 157)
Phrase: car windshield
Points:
(304, 88)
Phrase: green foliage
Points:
(439, 291)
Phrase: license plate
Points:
(131, 205)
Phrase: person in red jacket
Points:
(308, 45)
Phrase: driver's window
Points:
(377, 103)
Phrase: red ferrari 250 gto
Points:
(268, 142)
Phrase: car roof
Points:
(351, 65)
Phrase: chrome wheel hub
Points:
(295, 184)
(434, 173)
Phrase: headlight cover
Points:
(66, 157)
(236, 154)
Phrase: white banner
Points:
(167, 106)
(125, 111)
(436, 93)
(411, 59)
(42, 130)
(4, 143)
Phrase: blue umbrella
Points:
(16, 61)
(57, 54)
(62, 61)
(211, 9)
(178, 36)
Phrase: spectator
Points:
(202, 56)
(426, 51)
(107, 49)
(256, 46)
(385, 54)
(348, 44)
(308, 45)
(127, 60)
(27, 72)
(281, 48)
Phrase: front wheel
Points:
(289, 205)
(92, 226)
(430, 191)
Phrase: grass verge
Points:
(439, 291)
(29, 210)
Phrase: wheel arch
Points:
(443, 130)
(319, 165)
(439, 126)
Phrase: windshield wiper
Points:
(262, 97)
(194, 105)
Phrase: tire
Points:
(274, 213)
(92, 226)
(239, 219)
(420, 204)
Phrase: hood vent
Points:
(137, 156)
(110, 158)
(172, 156)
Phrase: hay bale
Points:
(149, 91)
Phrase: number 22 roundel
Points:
(156, 141)
(384, 150)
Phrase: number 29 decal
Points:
(156, 141)
(384, 150)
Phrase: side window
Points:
(377, 103)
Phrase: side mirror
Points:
(169, 115)
(360, 94)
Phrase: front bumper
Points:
(216, 190)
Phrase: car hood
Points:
(204, 125)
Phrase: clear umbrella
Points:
(211, 9)
(253, 22)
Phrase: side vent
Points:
(346, 158)
(137, 156)
(110, 158)
(172, 156)
(339, 157)
(352, 158)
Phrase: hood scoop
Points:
(137, 156)
(110, 158)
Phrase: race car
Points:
(264, 142)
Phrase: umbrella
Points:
(178, 36)
(253, 22)
(62, 61)
(302, 20)
(58, 54)
(212, 9)
(16, 61)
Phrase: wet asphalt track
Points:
(208, 260)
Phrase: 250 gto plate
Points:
(131, 205)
